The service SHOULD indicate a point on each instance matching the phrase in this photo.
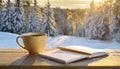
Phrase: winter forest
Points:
(99, 22)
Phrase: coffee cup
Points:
(34, 43)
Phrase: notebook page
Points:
(97, 54)
(82, 49)
(64, 56)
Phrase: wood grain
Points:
(20, 57)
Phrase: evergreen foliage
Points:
(47, 24)
(33, 23)
(18, 20)
(6, 18)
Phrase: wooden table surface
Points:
(20, 57)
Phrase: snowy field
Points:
(7, 40)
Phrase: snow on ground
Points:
(7, 40)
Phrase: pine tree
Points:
(47, 25)
(7, 18)
(18, 18)
(33, 23)
(79, 31)
(115, 22)
(68, 28)
(1, 9)
(93, 6)
(27, 6)
(96, 24)
(1, 13)
(60, 19)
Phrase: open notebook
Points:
(72, 53)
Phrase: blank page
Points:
(63, 56)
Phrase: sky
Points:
(72, 4)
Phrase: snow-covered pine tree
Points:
(1, 8)
(115, 22)
(79, 31)
(68, 29)
(7, 18)
(47, 24)
(27, 6)
(96, 25)
(115, 29)
(33, 24)
(60, 19)
(17, 18)
(1, 11)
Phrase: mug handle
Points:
(19, 42)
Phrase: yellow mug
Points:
(34, 43)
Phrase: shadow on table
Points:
(20, 60)
(28, 60)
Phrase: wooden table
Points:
(20, 57)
